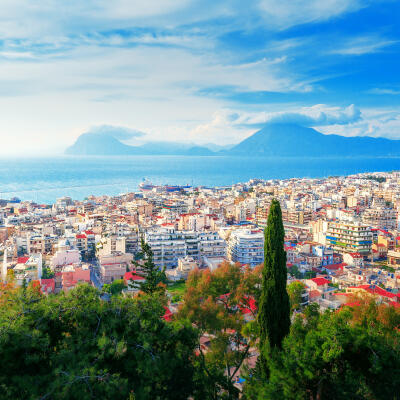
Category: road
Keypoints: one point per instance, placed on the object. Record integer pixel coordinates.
(95, 277)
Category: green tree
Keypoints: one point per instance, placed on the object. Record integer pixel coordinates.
(47, 273)
(350, 354)
(115, 287)
(295, 272)
(76, 346)
(217, 303)
(310, 274)
(295, 290)
(152, 274)
(274, 307)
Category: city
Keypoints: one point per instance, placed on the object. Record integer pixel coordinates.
(341, 235)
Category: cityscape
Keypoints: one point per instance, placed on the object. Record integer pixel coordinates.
(341, 239)
(199, 200)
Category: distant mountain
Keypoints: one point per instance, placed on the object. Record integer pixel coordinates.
(101, 144)
(286, 140)
(294, 140)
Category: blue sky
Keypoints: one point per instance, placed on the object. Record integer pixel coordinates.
(195, 71)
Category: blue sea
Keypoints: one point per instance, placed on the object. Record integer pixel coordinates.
(45, 179)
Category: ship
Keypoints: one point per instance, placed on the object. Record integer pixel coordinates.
(174, 188)
(146, 186)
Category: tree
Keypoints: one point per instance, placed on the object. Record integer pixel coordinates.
(76, 346)
(115, 287)
(295, 290)
(274, 308)
(153, 275)
(294, 271)
(350, 354)
(310, 274)
(219, 303)
(47, 273)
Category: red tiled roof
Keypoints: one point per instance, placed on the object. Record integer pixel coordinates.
(334, 267)
(314, 294)
(320, 281)
(22, 260)
(168, 314)
(376, 290)
(45, 285)
(131, 275)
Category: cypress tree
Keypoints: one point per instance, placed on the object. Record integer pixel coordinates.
(274, 308)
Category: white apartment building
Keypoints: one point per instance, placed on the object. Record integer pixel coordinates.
(211, 245)
(380, 217)
(168, 245)
(246, 247)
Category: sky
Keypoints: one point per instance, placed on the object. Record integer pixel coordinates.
(194, 71)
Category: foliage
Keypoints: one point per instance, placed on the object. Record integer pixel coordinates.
(295, 290)
(177, 288)
(295, 272)
(387, 268)
(176, 298)
(76, 346)
(274, 309)
(153, 275)
(350, 354)
(115, 287)
(214, 302)
(379, 179)
(47, 273)
(310, 274)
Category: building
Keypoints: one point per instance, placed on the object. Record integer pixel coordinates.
(296, 217)
(113, 266)
(262, 215)
(168, 245)
(185, 265)
(246, 246)
(211, 245)
(394, 258)
(346, 237)
(381, 217)
(71, 276)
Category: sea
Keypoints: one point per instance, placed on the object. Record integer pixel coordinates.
(43, 180)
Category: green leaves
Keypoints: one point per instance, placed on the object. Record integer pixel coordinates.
(274, 309)
(154, 277)
(333, 356)
(76, 346)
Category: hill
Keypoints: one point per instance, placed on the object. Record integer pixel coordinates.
(294, 140)
(90, 144)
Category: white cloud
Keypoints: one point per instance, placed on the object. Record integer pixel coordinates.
(361, 45)
(318, 114)
(287, 13)
(384, 91)
(233, 125)
(375, 123)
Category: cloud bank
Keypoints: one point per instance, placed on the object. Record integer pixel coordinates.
(317, 115)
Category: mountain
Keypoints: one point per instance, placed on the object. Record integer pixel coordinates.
(294, 140)
(100, 144)
(281, 140)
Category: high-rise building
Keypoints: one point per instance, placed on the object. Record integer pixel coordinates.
(346, 237)
(246, 246)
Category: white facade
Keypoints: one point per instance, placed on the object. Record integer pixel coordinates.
(246, 247)
(65, 257)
